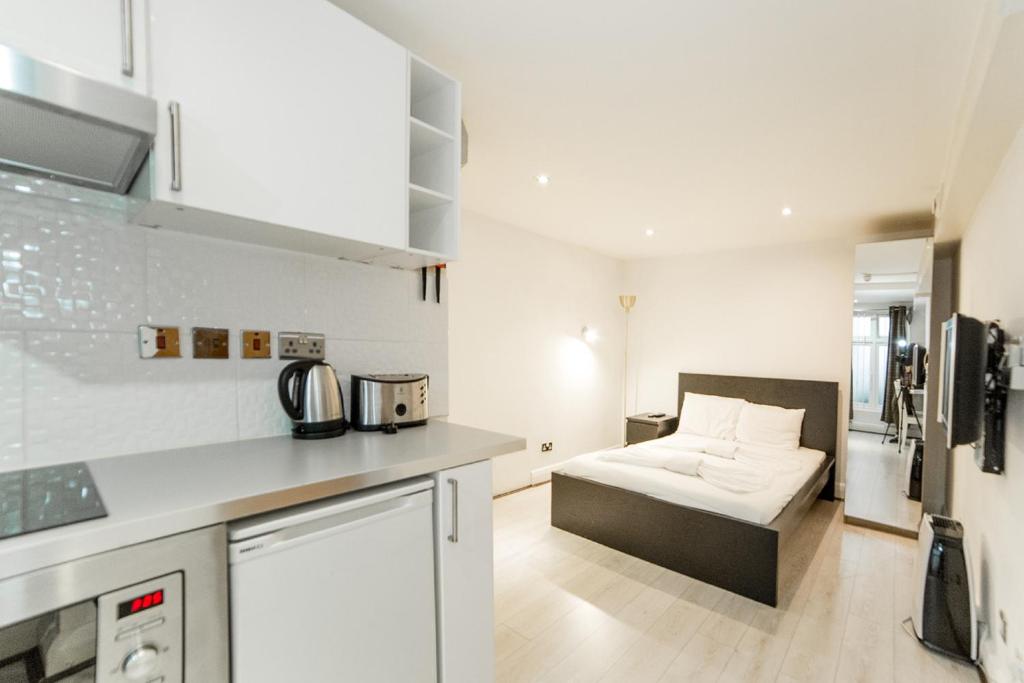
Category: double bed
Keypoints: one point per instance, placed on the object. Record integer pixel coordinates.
(738, 541)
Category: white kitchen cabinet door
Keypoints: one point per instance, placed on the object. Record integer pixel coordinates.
(292, 113)
(465, 574)
(84, 35)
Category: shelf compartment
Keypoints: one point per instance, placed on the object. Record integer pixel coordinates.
(433, 96)
(435, 169)
(424, 137)
(422, 198)
(432, 230)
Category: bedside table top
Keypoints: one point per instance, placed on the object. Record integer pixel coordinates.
(647, 418)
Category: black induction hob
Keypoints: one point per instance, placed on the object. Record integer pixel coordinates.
(47, 497)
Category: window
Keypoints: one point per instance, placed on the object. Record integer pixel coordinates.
(870, 359)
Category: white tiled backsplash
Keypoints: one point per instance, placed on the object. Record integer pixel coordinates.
(77, 280)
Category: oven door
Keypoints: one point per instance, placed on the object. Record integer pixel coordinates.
(59, 645)
(121, 615)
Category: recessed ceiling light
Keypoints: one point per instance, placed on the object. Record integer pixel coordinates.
(786, 211)
(856, 301)
(543, 179)
(649, 232)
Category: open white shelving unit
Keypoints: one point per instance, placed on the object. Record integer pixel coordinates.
(435, 151)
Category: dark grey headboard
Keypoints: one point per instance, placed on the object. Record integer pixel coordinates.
(819, 399)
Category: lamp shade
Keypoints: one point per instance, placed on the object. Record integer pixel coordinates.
(627, 301)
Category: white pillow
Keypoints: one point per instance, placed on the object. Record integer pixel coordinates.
(712, 416)
(770, 426)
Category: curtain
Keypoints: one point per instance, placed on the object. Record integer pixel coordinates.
(897, 332)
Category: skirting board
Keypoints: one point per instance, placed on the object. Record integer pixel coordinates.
(868, 428)
(543, 474)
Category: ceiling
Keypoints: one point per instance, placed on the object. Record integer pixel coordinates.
(699, 120)
(888, 272)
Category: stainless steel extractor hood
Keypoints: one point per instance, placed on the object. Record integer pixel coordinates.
(59, 124)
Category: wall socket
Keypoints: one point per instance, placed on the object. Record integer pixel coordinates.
(209, 342)
(159, 342)
(547, 446)
(300, 346)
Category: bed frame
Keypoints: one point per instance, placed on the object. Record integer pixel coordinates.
(743, 557)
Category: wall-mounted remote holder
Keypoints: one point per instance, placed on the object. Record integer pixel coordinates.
(159, 342)
(300, 346)
(209, 342)
(255, 344)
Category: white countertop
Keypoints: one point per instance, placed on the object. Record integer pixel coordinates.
(150, 495)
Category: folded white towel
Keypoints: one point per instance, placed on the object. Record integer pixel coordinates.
(775, 460)
(734, 477)
(721, 449)
(687, 463)
(722, 472)
(636, 456)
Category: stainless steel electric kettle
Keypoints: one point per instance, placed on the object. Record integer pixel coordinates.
(311, 396)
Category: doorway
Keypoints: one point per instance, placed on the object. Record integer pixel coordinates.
(892, 295)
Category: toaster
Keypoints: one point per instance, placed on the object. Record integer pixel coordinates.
(389, 401)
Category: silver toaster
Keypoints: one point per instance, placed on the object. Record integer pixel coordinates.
(389, 401)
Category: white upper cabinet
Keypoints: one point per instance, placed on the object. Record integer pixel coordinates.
(102, 39)
(285, 113)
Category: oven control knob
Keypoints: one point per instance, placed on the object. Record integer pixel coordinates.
(140, 662)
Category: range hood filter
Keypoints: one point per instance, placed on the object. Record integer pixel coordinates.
(58, 124)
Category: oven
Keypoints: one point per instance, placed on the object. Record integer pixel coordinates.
(156, 612)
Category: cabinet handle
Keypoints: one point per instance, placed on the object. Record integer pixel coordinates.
(127, 39)
(454, 536)
(175, 109)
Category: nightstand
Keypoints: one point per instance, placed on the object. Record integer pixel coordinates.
(644, 427)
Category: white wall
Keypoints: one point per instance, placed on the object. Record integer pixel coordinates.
(992, 506)
(518, 363)
(76, 280)
(769, 312)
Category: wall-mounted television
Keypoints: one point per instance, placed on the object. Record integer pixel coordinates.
(918, 365)
(962, 385)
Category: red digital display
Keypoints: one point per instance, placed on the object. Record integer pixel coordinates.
(140, 604)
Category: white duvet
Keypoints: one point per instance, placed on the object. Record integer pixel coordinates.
(782, 473)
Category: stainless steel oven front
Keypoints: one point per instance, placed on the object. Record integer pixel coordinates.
(156, 612)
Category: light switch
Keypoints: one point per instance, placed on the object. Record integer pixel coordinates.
(159, 342)
(255, 344)
(209, 342)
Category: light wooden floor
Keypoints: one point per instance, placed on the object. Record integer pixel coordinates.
(875, 482)
(568, 609)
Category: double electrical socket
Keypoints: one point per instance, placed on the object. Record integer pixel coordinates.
(547, 446)
(301, 346)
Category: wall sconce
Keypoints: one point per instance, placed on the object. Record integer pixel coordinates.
(589, 334)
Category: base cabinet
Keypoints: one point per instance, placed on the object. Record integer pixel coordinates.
(464, 537)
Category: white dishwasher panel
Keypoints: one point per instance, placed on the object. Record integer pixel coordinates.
(338, 596)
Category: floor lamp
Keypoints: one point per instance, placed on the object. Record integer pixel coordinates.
(627, 301)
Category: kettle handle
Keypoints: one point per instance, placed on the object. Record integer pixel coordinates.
(289, 402)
